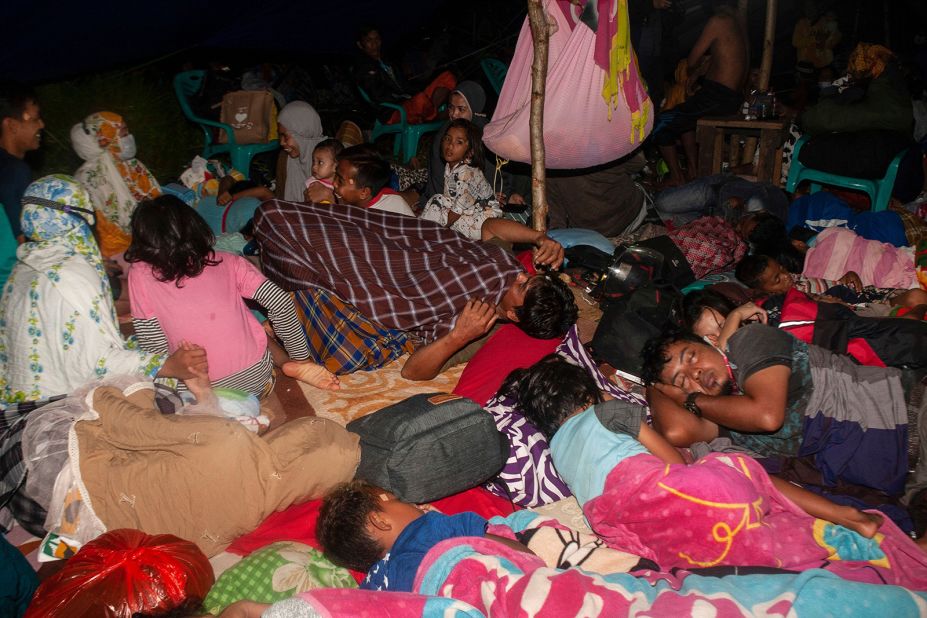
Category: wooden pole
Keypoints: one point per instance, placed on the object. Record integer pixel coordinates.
(768, 37)
(539, 35)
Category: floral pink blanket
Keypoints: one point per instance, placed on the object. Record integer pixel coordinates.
(724, 510)
(575, 576)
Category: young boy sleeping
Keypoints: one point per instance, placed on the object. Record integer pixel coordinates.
(639, 496)
(368, 529)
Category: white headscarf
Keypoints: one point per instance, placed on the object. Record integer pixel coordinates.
(304, 124)
(101, 175)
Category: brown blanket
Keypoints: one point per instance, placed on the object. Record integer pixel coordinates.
(202, 478)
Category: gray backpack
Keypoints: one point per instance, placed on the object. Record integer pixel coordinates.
(429, 446)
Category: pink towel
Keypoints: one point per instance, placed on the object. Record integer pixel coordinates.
(839, 250)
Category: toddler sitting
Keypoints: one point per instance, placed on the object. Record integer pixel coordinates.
(366, 528)
(324, 162)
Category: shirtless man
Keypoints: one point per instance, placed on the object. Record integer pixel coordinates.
(722, 49)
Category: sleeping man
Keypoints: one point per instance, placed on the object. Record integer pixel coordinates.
(414, 277)
(809, 412)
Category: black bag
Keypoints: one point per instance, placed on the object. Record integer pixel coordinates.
(628, 322)
(429, 446)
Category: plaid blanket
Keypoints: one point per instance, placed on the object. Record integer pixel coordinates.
(399, 271)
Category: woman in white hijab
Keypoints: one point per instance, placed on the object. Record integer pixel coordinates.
(115, 179)
(300, 131)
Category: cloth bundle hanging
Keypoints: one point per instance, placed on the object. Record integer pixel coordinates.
(596, 109)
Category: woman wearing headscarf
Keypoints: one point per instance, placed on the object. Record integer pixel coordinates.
(300, 131)
(58, 325)
(115, 179)
(466, 102)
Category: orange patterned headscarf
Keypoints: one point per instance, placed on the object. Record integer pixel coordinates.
(868, 60)
(105, 126)
(115, 185)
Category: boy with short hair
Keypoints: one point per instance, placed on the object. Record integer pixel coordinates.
(366, 528)
(361, 179)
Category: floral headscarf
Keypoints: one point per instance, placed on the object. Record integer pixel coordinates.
(55, 234)
(115, 186)
(58, 325)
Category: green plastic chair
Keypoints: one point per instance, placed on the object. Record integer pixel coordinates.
(405, 144)
(495, 70)
(187, 84)
(879, 189)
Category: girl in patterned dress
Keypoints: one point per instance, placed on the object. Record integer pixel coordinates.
(468, 199)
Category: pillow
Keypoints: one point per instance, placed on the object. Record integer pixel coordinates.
(276, 572)
(507, 349)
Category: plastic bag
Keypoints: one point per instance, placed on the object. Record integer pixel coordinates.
(125, 572)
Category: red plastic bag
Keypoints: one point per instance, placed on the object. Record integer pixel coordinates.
(123, 572)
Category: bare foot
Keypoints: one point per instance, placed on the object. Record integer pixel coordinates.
(202, 390)
(312, 374)
(864, 524)
(199, 384)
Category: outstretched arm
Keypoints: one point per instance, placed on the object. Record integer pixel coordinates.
(658, 445)
(547, 252)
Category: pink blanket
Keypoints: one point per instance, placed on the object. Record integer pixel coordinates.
(839, 250)
(724, 510)
(573, 576)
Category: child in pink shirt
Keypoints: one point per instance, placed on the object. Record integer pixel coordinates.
(181, 290)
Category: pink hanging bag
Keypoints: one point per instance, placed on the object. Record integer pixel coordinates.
(596, 109)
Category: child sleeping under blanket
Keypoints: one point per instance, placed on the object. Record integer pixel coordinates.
(639, 496)
(478, 577)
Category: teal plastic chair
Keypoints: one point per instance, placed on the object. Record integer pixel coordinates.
(405, 144)
(495, 70)
(187, 84)
(879, 189)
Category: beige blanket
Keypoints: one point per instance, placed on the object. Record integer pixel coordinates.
(365, 392)
(202, 478)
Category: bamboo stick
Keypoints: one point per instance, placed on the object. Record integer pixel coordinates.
(540, 35)
(768, 38)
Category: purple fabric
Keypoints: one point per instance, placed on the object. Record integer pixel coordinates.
(529, 477)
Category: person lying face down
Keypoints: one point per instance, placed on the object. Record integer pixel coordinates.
(415, 276)
(616, 466)
(783, 399)
(366, 528)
